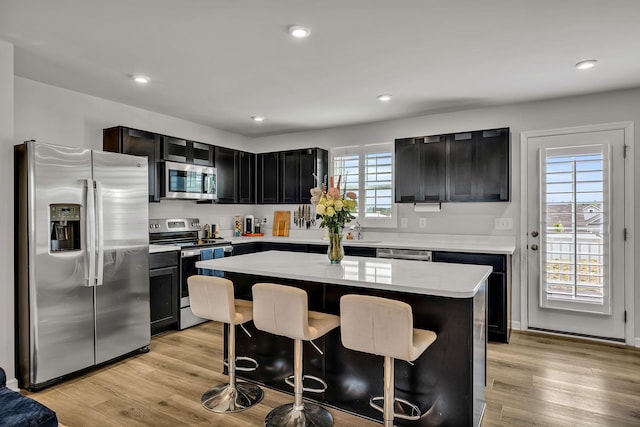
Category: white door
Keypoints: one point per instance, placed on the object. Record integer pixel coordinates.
(575, 235)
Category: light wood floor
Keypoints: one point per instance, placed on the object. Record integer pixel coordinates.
(536, 380)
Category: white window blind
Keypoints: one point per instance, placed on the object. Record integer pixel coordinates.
(368, 172)
(575, 214)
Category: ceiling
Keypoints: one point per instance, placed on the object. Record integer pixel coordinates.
(219, 62)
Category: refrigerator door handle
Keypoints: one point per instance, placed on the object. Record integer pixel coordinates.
(100, 232)
(90, 220)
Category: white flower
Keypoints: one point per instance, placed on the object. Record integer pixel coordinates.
(320, 209)
(330, 212)
(338, 205)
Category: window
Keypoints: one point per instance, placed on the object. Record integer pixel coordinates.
(367, 170)
(575, 209)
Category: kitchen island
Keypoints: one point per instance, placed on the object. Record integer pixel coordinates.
(447, 381)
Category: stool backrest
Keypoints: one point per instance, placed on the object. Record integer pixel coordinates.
(376, 325)
(212, 298)
(281, 310)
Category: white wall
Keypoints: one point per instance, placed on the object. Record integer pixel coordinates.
(478, 218)
(6, 212)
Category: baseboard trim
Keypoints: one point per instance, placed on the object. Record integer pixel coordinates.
(638, 342)
(12, 384)
(516, 326)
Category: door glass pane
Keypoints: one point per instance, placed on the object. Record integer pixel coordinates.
(575, 211)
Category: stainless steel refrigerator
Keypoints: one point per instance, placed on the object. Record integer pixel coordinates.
(82, 260)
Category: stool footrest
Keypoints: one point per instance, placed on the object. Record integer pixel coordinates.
(415, 411)
(253, 364)
(289, 381)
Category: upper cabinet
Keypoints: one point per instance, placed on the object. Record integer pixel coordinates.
(236, 175)
(138, 143)
(183, 151)
(287, 176)
(461, 167)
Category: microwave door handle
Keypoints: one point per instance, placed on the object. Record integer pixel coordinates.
(100, 232)
(90, 223)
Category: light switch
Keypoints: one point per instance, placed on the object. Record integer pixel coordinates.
(423, 222)
(404, 223)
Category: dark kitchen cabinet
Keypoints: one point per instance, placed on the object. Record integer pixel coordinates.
(226, 165)
(498, 289)
(287, 176)
(421, 169)
(479, 166)
(236, 175)
(246, 177)
(164, 278)
(138, 143)
(184, 151)
(268, 170)
(461, 167)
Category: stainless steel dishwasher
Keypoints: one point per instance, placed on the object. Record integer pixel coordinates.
(413, 254)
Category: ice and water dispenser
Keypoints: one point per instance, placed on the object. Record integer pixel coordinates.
(64, 227)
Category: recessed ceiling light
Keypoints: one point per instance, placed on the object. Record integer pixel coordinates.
(257, 118)
(384, 97)
(299, 31)
(585, 65)
(139, 78)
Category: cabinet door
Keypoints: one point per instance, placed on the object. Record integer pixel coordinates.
(174, 149)
(226, 165)
(479, 166)
(246, 177)
(268, 178)
(492, 165)
(137, 143)
(462, 156)
(200, 154)
(290, 161)
(163, 298)
(407, 169)
(313, 162)
(433, 169)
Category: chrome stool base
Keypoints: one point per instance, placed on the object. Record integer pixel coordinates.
(225, 398)
(311, 415)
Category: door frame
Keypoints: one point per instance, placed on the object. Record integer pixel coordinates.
(629, 303)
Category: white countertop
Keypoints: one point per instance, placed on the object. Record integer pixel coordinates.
(505, 245)
(426, 278)
(154, 249)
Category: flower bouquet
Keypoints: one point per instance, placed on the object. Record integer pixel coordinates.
(335, 209)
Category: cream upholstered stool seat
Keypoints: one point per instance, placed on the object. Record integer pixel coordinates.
(212, 298)
(384, 327)
(283, 310)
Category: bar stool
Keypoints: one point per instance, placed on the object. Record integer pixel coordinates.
(283, 310)
(212, 298)
(384, 327)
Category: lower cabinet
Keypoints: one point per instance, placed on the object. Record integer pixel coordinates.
(498, 286)
(498, 289)
(164, 279)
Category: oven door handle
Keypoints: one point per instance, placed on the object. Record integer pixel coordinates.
(187, 253)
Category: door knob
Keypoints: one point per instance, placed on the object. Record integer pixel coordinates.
(534, 247)
(534, 234)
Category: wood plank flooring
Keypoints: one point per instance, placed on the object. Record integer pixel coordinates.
(536, 380)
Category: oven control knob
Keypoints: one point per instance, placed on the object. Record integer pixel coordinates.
(157, 225)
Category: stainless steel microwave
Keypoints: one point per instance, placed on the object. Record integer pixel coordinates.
(193, 182)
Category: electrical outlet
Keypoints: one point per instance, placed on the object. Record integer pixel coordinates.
(423, 222)
(404, 223)
(504, 224)
(223, 222)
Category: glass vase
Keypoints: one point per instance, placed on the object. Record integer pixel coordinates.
(335, 251)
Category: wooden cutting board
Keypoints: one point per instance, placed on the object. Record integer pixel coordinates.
(281, 221)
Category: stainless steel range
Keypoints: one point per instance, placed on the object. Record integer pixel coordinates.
(185, 233)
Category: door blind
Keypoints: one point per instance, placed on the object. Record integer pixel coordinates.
(575, 211)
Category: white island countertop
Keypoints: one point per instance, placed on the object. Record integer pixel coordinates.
(425, 278)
